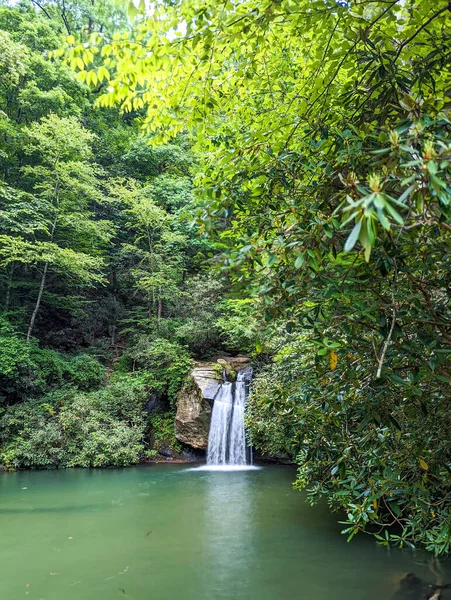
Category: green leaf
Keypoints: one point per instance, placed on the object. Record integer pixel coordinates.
(397, 217)
(298, 263)
(271, 260)
(353, 237)
(397, 379)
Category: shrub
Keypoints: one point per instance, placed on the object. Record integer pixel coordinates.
(27, 370)
(14, 353)
(382, 454)
(163, 430)
(197, 311)
(164, 363)
(81, 371)
(237, 325)
(70, 428)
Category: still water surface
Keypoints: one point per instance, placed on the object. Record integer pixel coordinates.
(167, 532)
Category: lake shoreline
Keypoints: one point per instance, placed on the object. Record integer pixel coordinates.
(142, 463)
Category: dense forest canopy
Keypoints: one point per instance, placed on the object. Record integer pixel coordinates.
(310, 140)
(106, 293)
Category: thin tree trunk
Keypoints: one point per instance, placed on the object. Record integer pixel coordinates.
(151, 265)
(64, 18)
(42, 284)
(38, 302)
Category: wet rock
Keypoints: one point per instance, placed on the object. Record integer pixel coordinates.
(194, 402)
(154, 403)
(165, 452)
(276, 459)
(232, 364)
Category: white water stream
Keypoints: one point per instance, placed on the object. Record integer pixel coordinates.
(227, 439)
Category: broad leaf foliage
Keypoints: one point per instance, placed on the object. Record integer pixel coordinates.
(325, 135)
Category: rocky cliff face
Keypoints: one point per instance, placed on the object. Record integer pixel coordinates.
(195, 399)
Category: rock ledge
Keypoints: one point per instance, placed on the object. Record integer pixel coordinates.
(194, 401)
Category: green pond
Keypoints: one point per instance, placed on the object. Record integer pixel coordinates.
(168, 532)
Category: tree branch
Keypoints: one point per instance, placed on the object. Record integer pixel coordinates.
(387, 341)
(42, 8)
(423, 26)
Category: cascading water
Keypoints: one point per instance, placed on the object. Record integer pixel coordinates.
(237, 447)
(219, 427)
(227, 439)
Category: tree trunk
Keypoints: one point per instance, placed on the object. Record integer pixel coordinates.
(44, 276)
(38, 302)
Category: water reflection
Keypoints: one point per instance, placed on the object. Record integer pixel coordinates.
(228, 540)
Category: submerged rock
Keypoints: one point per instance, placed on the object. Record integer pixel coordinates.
(194, 402)
(412, 587)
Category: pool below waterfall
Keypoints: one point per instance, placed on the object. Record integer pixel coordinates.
(168, 532)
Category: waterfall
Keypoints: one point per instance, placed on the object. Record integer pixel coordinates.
(237, 447)
(219, 428)
(227, 439)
